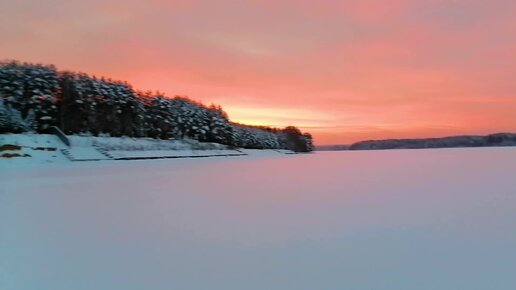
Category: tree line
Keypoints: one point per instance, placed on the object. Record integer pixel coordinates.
(34, 97)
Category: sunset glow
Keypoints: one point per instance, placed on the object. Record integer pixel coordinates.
(343, 70)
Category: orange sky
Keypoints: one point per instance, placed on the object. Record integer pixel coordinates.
(343, 70)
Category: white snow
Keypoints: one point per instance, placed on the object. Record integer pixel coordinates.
(35, 149)
(85, 154)
(32, 140)
(173, 153)
(140, 144)
(440, 219)
(87, 148)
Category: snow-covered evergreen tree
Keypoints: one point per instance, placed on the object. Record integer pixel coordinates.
(31, 87)
(11, 119)
(100, 106)
(34, 97)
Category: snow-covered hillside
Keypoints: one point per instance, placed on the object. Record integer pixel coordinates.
(16, 149)
(389, 220)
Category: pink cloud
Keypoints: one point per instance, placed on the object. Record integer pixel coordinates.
(353, 69)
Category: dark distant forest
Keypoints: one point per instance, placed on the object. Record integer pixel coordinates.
(35, 97)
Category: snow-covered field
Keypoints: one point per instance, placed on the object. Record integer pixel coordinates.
(402, 219)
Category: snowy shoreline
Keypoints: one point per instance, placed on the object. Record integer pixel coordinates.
(22, 149)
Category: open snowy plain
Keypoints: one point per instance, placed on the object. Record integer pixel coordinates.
(402, 219)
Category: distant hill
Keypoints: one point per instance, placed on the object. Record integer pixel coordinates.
(332, 147)
(498, 139)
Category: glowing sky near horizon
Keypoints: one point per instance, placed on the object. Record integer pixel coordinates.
(343, 70)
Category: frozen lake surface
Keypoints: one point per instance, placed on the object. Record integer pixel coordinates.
(400, 219)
